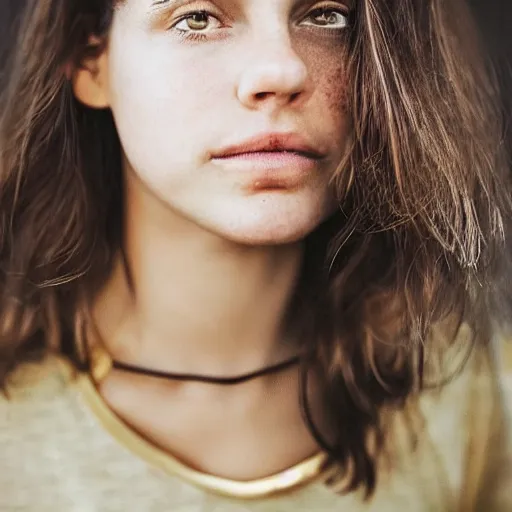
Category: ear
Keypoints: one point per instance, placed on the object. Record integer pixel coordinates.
(90, 80)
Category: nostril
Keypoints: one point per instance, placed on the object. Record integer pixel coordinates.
(264, 95)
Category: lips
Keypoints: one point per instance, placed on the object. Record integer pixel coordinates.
(272, 143)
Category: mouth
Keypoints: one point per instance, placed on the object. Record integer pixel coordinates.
(271, 161)
(283, 144)
(283, 155)
(271, 170)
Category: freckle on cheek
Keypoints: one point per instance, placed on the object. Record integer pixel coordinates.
(331, 75)
(336, 91)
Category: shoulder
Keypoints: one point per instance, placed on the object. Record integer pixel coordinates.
(33, 392)
(491, 379)
(36, 380)
(502, 354)
(488, 462)
(460, 420)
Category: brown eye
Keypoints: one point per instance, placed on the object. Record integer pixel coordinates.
(196, 21)
(328, 17)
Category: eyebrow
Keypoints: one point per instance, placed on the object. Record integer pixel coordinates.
(157, 8)
(158, 3)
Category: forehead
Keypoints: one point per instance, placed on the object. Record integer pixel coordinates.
(156, 4)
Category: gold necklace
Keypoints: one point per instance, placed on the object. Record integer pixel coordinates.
(296, 476)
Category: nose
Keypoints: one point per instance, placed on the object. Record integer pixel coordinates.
(274, 77)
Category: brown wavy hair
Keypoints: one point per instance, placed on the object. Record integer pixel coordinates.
(420, 235)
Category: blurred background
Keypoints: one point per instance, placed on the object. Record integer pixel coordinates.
(495, 19)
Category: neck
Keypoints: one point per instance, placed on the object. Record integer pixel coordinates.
(199, 304)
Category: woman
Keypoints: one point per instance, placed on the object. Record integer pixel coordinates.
(251, 258)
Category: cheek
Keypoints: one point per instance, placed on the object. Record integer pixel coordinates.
(333, 86)
(327, 66)
(335, 93)
(162, 105)
(154, 81)
(334, 89)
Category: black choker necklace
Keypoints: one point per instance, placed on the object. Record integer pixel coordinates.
(190, 377)
(102, 363)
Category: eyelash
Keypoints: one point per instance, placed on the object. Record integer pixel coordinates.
(198, 36)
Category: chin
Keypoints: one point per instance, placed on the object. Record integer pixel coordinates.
(267, 236)
(274, 226)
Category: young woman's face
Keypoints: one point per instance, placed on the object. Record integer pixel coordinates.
(189, 81)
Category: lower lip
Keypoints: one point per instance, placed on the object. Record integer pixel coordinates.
(276, 169)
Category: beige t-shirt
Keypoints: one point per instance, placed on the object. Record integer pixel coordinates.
(58, 454)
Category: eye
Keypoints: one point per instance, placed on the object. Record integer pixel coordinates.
(329, 18)
(197, 21)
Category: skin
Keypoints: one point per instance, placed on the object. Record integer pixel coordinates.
(214, 253)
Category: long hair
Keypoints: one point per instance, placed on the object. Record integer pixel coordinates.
(419, 238)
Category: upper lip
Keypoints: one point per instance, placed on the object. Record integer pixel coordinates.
(271, 142)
